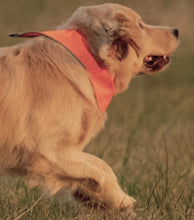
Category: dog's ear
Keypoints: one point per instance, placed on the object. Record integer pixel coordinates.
(104, 28)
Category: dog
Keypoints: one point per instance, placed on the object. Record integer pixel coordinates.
(52, 103)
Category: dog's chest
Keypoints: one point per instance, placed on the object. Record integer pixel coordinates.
(90, 126)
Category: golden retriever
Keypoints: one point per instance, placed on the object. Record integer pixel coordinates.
(48, 106)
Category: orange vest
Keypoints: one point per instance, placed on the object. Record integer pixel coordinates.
(101, 79)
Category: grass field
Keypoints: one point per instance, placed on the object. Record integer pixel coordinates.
(149, 137)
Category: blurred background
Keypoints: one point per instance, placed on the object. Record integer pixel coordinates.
(149, 137)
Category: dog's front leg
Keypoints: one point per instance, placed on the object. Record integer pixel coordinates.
(91, 177)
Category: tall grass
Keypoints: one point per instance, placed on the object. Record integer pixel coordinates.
(148, 139)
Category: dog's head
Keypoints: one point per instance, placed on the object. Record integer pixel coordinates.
(123, 42)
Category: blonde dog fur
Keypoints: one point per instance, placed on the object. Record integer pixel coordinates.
(48, 111)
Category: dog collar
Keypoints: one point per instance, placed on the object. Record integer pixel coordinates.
(76, 42)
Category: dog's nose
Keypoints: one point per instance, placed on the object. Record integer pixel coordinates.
(175, 32)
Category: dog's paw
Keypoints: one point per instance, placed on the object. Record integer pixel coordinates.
(127, 205)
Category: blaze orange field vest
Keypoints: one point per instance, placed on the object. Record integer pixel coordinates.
(101, 79)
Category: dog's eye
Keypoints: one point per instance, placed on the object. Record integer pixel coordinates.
(140, 24)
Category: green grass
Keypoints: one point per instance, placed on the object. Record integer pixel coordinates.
(148, 139)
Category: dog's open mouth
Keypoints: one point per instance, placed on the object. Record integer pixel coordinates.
(156, 63)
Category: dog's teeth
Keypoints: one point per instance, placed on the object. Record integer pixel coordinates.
(148, 58)
(164, 57)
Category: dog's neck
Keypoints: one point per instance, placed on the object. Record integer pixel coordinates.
(76, 42)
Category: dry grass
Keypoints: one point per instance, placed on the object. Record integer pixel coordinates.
(148, 139)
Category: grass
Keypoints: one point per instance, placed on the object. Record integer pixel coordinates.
(148, 139)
